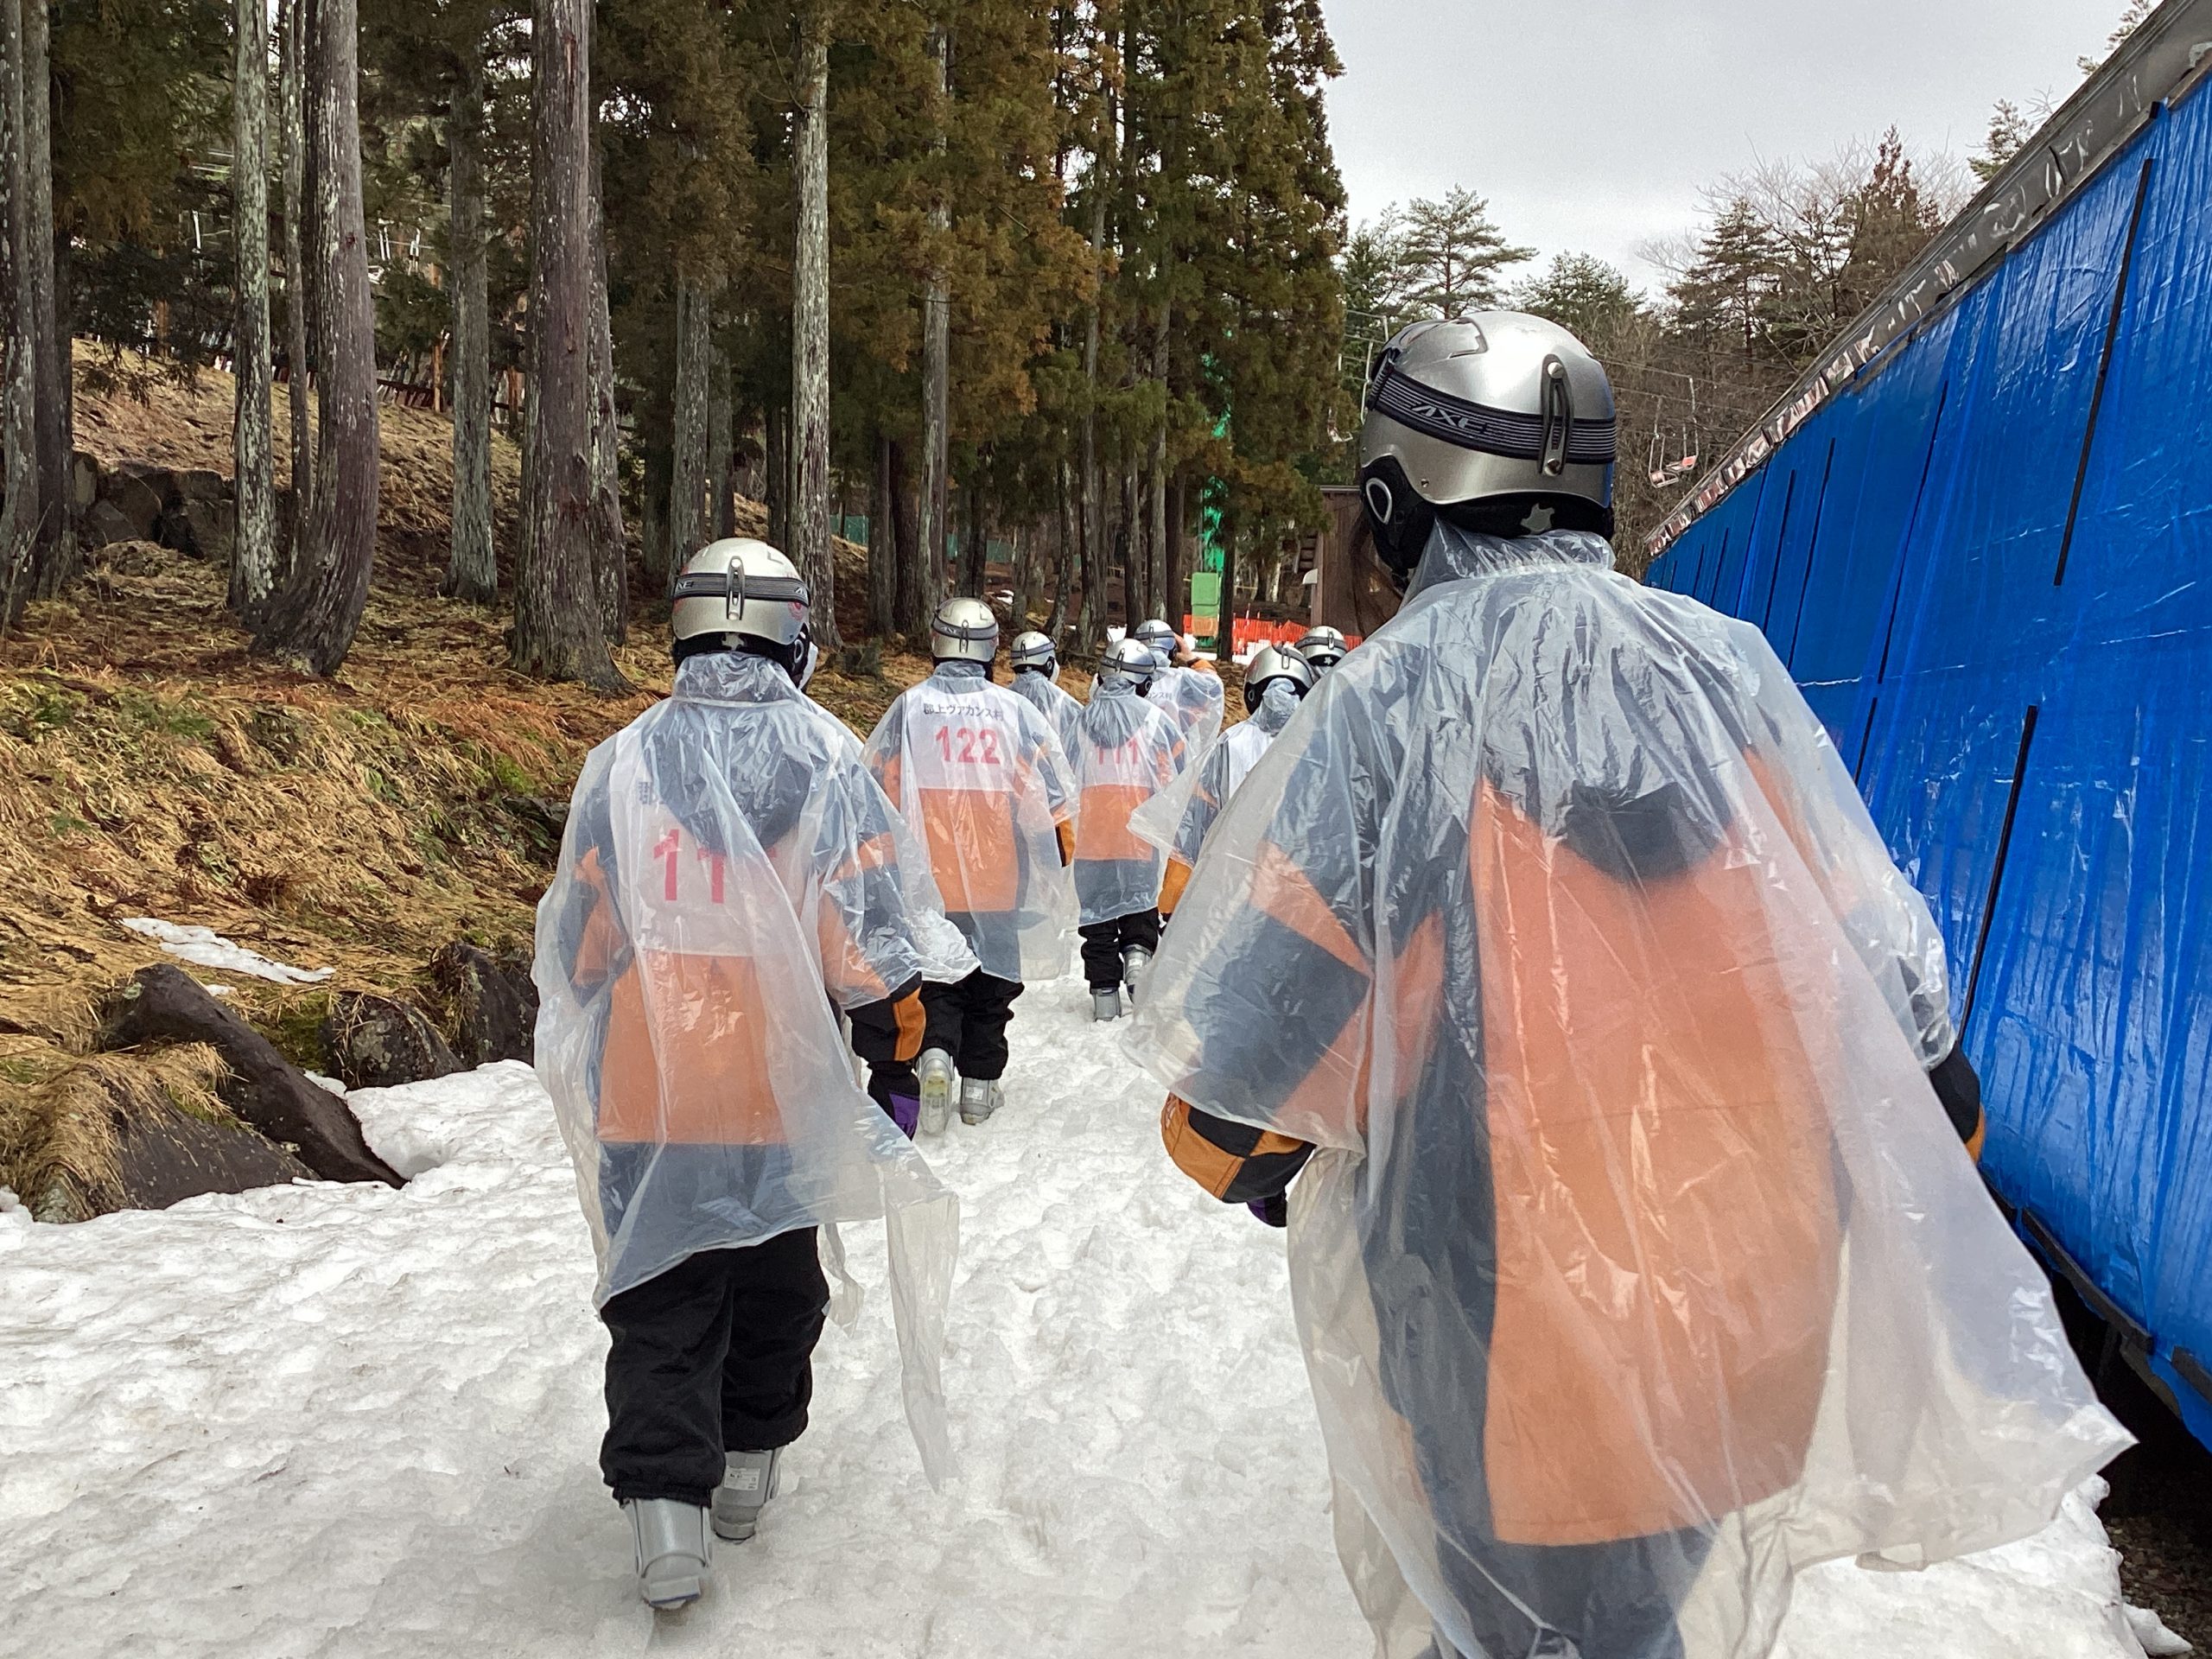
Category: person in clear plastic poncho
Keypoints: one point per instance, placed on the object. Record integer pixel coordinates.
(730, 879)
(1184, 688)
(981, 777)
(1127, 752)
(1553, 964)
(1036, 680)
(1179, 820)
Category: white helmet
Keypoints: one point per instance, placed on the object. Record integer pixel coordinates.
(1130, 660)
(1157, 635)
(1323, 647)
(740, 587)
(1033, 651)
(964, 631)
(1502, 423)
(1273, 663)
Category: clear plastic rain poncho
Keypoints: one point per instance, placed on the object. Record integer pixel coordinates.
(1178, 820)
(1196, 698)
(981, 777)
(728, 870)
(1046, 697)
(1638, 1266)
(1127, 753)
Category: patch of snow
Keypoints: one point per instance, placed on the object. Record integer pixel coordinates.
(205, 947)
(342, 1420)
(2151, 1635)
(334, 1085)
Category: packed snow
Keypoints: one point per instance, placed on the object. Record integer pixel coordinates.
(205, 948)
(324, 1419)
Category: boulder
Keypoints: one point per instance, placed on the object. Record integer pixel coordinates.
(164, 1004)
(378, 1042)
(139, 494)
(488, 1003)
(163, 1161)
(190, 484)
(104, 524)
(201, 529)
(84, 479)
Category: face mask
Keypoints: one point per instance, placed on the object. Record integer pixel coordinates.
(809, 663)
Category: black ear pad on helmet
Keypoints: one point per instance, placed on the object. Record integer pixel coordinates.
(1396, 516)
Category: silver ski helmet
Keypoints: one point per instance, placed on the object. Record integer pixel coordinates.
(1270, 664)
(1500, 422)
(1156, 633)
(964, 631)
(1129, 660)
(1323, 648)
(1034, 652)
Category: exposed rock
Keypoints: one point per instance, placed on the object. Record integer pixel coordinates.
(163, 1161)
(378, 1042)
(489, 1002)
(136, 493)
(201, 529)
(104, 524)
(166, 1005)
(84, 479)
(191, 484)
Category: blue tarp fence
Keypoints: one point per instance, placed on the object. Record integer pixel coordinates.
(1988, 561)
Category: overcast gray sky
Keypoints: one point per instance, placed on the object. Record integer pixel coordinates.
(1591, 125)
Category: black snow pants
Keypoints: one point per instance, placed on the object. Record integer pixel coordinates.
(1104, 943)
(714, 1356)
(968, 1020)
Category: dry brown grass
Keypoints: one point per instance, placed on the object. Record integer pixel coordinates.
(60, 1120)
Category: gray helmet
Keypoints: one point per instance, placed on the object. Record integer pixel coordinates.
(1273, 663)
(740, 587)
(1502, 423)
(1323, 647)
(1034, 651)
(1157, 635)
(1130, 660)
(964, 631)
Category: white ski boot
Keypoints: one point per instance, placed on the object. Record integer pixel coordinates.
(1135, 961)
(673, 1550)
(979, 1099)
(1105, 1003)
(747, 1484)
(934, 1073)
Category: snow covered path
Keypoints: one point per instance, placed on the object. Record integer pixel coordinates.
(344, 1420)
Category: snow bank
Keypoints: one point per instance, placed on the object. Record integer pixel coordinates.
(205, 948)
(348, 1420)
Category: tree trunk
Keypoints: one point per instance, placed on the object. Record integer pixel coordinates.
(610, 544)
(1093, 516)
(291, 75)
(883, 541)
(778, 462)
(1177, 587)
(812, 550)
(688, 517)
(722, 446)
(473, 570)
(1065, 567)
(1128, 548)
(54, 552)
(560, 633)
(652, 507)
(254, 560)
(1165, 594)
(913, 606)
(18, 432)
(313, 619)
(936, 503)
